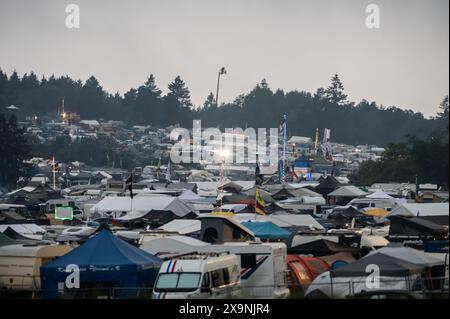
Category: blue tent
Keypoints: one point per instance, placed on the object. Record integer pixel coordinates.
(104, 261)
(267, 230)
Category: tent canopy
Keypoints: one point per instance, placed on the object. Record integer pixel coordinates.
(267, 230)
(389, 266)
(379, 194)
(103, 258)
(410, 255)
(422, 210)
(347, 191)
(142, 205)
(322, 247)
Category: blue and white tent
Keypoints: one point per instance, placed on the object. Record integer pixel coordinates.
(104, 261)
(267, 230)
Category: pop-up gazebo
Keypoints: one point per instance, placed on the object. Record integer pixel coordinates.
(104, 261)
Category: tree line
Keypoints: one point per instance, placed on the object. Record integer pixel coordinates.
(364, 122)
(427, 159)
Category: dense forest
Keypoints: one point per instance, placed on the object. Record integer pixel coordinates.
(352, 123)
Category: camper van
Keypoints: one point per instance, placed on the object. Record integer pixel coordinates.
(263, 265)
(196, 275)
(263, 268)
(20, 264)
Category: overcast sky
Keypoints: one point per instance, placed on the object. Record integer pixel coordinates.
(294, 44)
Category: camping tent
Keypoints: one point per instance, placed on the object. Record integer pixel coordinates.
(379, 194)
(329, 184)
(347, 191)
(410, 255)
(389, 266)
(141, 205)
(103, 260)
(394, 274)
(345, 194)
(321, 247)
(267, 230)
(422, 210)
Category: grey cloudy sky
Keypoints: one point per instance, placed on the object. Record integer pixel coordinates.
(294, 44)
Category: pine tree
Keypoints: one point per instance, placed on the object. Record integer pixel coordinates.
(180, 92)
(335, 92)
(210, 102)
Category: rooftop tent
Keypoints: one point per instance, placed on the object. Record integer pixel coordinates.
(267, 230)
(389, 267)
(410, 255)
(103, 260)
(321, 247)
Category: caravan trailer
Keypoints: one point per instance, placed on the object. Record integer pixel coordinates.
(197, 275)
(20, 264)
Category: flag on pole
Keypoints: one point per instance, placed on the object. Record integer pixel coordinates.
(258, 177)
(129, 185)
(168, 172)
(158, 169)
(259, 203)
(326, 144)
(283, 126)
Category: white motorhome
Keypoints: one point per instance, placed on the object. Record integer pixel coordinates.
(20, 264)
(263, 265)
(198, 275)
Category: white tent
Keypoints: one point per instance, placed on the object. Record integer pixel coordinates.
(347, 191)
(189, 195)
(423, 209)
(140, 206)
(379, 194)
(171, 245)
(183, 226)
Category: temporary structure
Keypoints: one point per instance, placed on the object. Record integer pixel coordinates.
(410, 255)
(375, 212)
(267, 230)
(347, 191)
(104, 260)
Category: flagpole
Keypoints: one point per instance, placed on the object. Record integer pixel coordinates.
(284, 146)
(54, 173)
